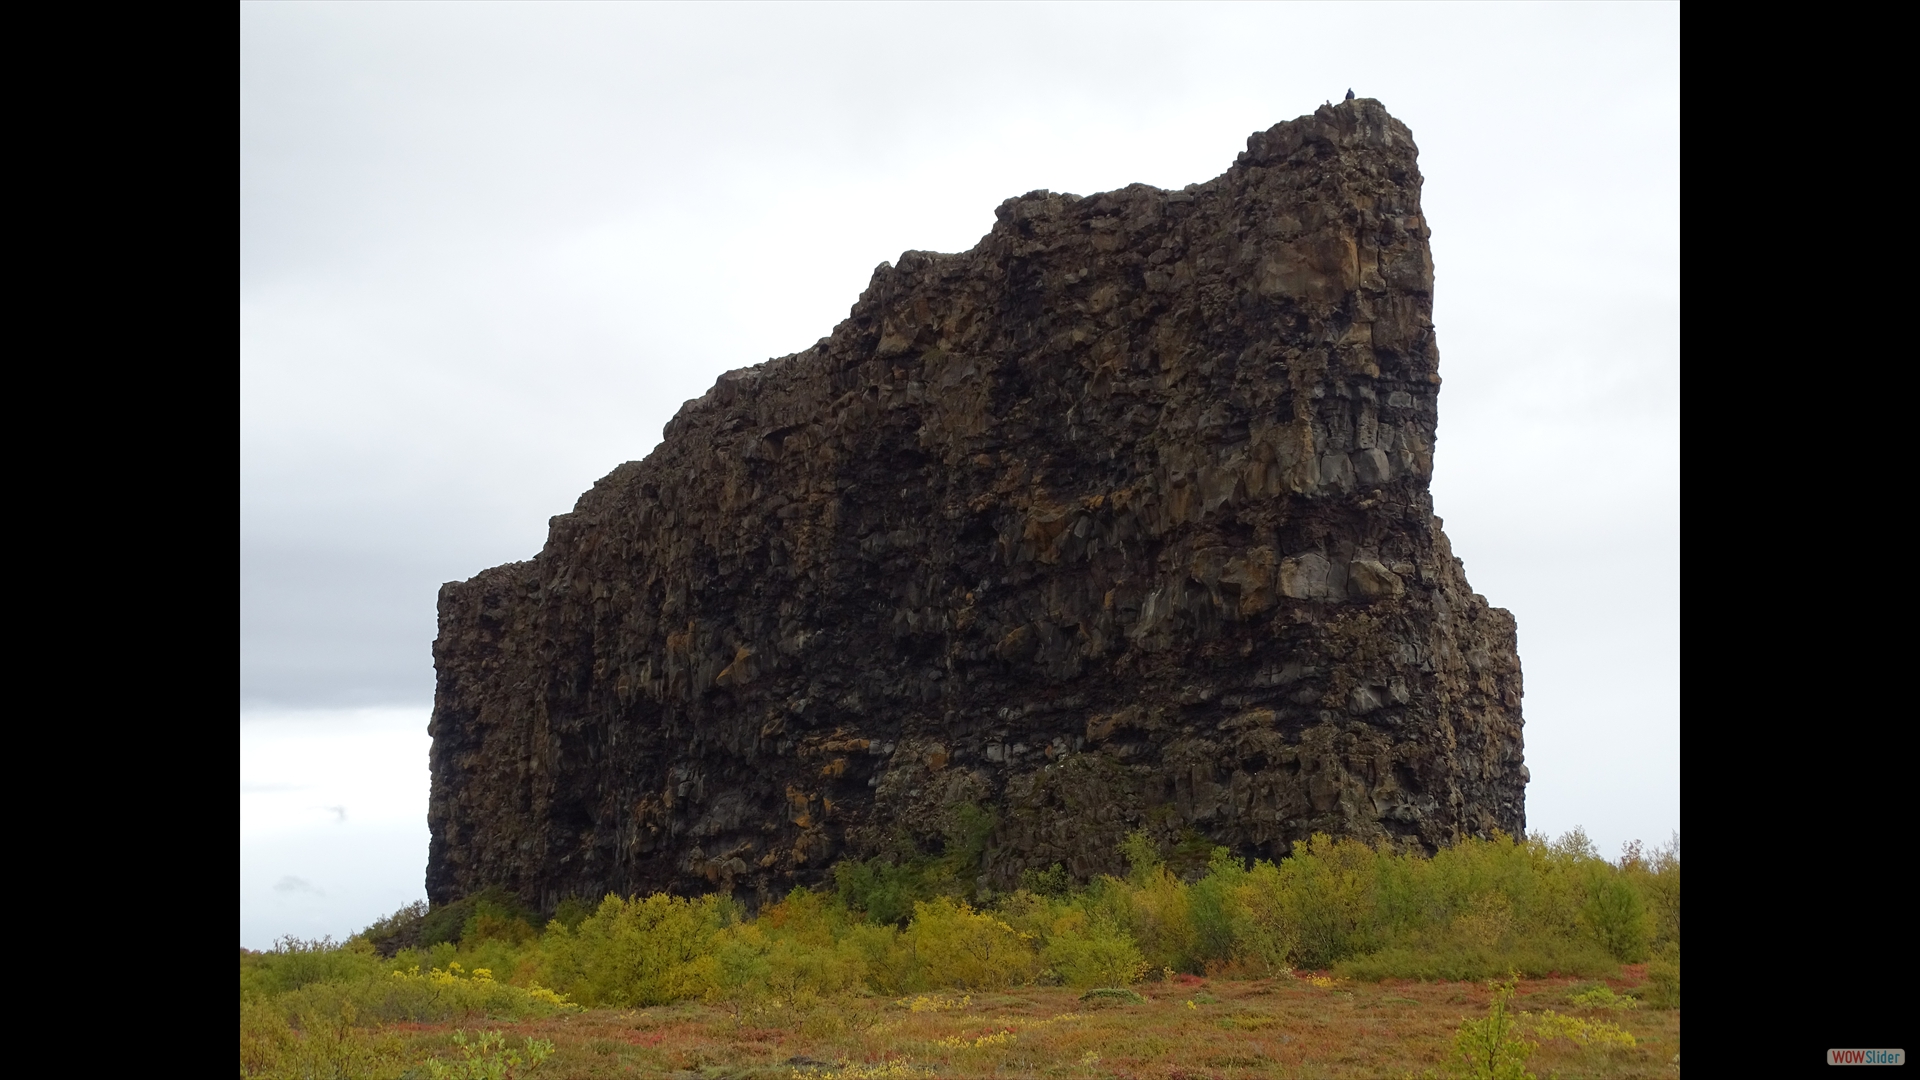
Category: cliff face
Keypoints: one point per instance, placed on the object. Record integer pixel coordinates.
(1118, 520)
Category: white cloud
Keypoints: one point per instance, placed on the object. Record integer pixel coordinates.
(309, 866)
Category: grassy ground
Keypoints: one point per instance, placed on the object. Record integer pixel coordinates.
(1186, 1028)
(839, 961)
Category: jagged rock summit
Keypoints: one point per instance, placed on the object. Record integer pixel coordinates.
(1118, 520)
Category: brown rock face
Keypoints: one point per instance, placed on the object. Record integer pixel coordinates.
(1118, 520)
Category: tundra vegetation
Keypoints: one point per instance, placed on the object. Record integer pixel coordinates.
(1487, 959)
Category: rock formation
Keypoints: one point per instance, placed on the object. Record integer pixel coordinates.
(1118, 520)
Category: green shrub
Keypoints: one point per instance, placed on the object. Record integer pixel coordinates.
(967, 831)
(1492, 1048)
(1119, 994)
(266, 1039)
(885, 891)
(1054, 881)
(1497, 1046)
(886, 887)
(1663, 979)
(757, 965)
(1214, 909)
(1327, 890)
(571, 912)
(491, 912)
(955, 946)
(1153, 905)
(319, 1043)
(1456, 961)
(1264, 936)
(451, 993)
(442, 925)
(1657, 878)
(797, 952)
(1603, 997)
(489, 1058)
(400, 930)
(1086, 953)
(1142, 855)
(1477, 909)
(648, 951)
(293, 963)
(1614, 916)
(1551, 1025)
(514, 961)
(891, 967)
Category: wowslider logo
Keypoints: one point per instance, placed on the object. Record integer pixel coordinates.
(1866, 1057)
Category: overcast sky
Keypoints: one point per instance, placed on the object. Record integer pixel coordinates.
(488, 250)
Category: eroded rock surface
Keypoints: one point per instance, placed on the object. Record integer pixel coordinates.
(1118, 520)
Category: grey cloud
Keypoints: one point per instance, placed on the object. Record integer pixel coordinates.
(487, 250)
(291, 884)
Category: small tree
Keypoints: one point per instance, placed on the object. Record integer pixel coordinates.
(1493, 1048)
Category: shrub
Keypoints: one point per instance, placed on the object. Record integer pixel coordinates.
(265, 1037)
(293, 963)
(1054, 881)
(648, 951)
(1152, 904)
(1551, 1025)
(400, 930)
(1663, 979)
(449, 993)
(887, 887)
(1455, 961)
(884, 891)
(1086, 952)
(755, 963)
(1142, 855)
(442, 925)
(1614, 916)
(891, 967)
(1602, 997)
(1213, 907)
(1328, 898)
(1657, 878)
(488, 1058)
(324, 1042)
(955, 946)
(1492, 1048)
(491, 912)
(571, 912)
(1477, 909)
(1264, 937)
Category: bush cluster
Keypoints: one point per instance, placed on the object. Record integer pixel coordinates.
(1479, 909)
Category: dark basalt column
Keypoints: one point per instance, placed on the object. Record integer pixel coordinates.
(1118, 520)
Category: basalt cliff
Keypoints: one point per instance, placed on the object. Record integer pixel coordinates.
(1119, 520)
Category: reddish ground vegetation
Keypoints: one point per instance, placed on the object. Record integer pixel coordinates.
(1187, 1028)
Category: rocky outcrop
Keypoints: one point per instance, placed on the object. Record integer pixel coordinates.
(1118, 520)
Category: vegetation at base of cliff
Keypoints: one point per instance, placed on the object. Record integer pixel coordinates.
(1479, 910)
